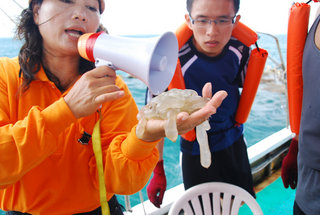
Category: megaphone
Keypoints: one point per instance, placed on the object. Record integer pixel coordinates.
(152, 60)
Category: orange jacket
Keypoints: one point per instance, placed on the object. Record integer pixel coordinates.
(43, 167)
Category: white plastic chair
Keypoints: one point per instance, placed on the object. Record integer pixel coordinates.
(228, 203)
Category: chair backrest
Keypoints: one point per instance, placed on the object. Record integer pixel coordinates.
(217, 197)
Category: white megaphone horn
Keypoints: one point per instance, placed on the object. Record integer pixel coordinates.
(152, 60)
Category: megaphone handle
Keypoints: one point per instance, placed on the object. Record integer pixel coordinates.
(100, 62)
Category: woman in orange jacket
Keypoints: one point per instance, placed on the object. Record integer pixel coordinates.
(48, 110)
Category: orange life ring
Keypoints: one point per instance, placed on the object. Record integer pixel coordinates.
(296, 38)
(254, 71)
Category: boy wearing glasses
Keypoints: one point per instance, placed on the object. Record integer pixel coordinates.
(212, 55)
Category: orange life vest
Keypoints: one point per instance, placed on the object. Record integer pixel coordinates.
(296, 38)
(255, 68)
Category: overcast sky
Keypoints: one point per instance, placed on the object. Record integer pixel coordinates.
(134, 17)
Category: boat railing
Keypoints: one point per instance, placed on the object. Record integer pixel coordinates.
(280, 64)
(279, 70)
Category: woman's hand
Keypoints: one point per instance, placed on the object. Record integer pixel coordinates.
(93, 89)
(154, 129)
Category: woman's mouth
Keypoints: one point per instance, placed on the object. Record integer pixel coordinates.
(74, 33)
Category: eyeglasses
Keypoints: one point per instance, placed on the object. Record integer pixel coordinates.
(204, 22)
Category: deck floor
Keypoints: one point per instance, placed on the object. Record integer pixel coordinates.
(273, 198)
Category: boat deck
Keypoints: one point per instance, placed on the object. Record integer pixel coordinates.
(265, 158)
(273, 198)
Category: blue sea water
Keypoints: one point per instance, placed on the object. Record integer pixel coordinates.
(267, 116)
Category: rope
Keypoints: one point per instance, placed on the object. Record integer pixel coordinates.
(7, 16)
(18, 4)
(141, 200)
(127, 203)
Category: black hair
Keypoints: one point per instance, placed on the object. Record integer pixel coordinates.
(236, 4)
(31, 52)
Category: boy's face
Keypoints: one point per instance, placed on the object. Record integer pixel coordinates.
(210, 38)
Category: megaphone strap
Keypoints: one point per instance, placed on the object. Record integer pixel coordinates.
(96, 144)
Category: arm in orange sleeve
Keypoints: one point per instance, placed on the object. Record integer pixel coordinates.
(25, 142)
(132, 162)
(129, 161)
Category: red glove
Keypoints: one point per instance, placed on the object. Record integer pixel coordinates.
(157, 185)
(289, 169)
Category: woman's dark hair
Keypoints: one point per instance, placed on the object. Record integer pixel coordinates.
(31, 52)
(235, 2)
